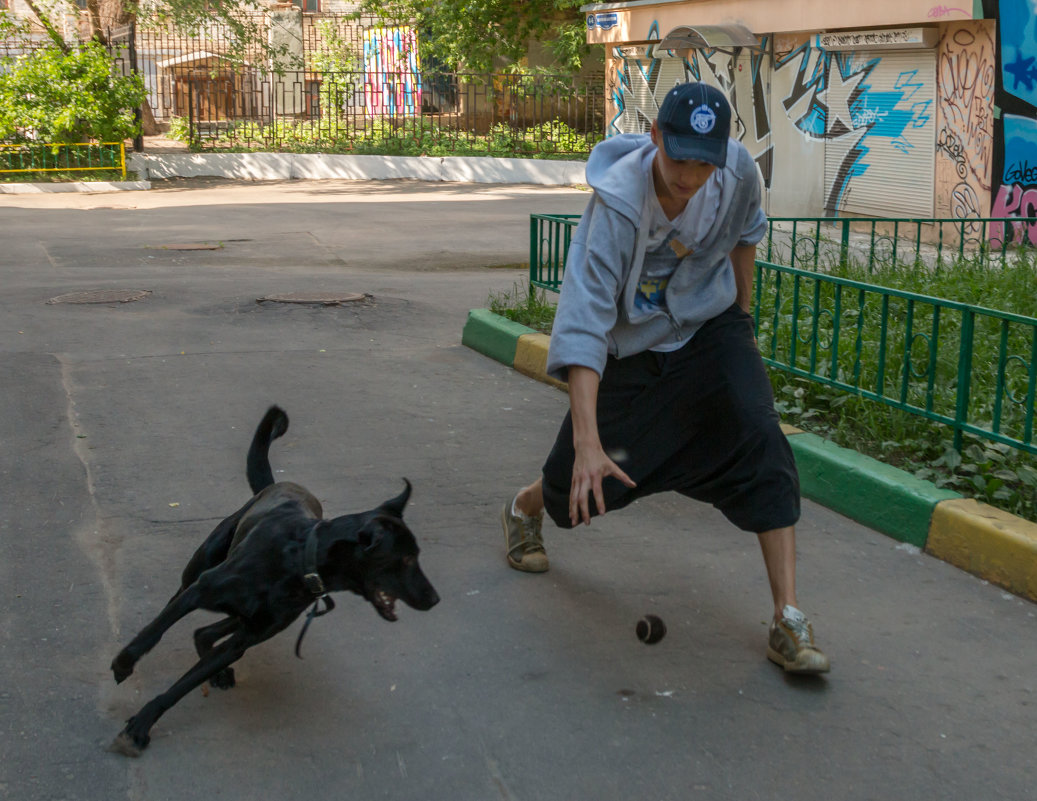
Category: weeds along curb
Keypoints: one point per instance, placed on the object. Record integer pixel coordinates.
(994, 545)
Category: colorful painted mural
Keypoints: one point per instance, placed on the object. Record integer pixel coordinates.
(1017, 195)
(953, 120)
(1016, 189)
(392, 81)
(863, 108)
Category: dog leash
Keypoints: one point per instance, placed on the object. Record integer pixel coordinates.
(311, 578)
(316, 611)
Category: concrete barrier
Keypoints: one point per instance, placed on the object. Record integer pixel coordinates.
(316, 166)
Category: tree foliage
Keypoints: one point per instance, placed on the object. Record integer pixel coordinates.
(487, 35)
(52, 94)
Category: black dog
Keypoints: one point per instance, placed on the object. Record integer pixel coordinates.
(263, 566)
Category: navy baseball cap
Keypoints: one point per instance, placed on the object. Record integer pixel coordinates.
(695, 123)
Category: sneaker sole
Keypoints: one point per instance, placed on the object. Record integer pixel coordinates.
(793, 667)
(512, 562)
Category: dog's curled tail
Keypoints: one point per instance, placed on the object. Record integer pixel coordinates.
(272, 426)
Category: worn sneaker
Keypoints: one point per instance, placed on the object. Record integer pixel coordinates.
(791, 644)
(524, 541)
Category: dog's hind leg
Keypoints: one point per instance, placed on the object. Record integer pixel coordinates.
(204, 640)
(135, 737)
(181, 604)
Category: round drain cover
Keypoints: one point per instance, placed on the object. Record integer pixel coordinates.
(102, 296)
(191, 246)
(316, 298)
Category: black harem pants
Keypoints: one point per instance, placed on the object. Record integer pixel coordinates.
(699, 421)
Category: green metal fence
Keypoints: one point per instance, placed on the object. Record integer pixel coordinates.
(549, 238)
(971, 369)
(818, 242)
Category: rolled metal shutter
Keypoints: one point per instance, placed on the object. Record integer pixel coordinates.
(880, 161)
(650, 80)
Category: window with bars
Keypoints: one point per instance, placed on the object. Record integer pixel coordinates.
(307, 5)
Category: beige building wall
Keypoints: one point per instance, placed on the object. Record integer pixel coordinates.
(797, 186)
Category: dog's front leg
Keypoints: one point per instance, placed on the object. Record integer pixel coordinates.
(181, 604)
(135, 737)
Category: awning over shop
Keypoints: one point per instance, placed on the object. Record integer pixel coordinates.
(713, 37)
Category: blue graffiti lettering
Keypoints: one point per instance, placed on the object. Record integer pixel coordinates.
(904, 82)
(1021, 173)
(902, 145)
(921, 116)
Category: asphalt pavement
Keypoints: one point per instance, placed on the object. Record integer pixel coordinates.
(123, 432)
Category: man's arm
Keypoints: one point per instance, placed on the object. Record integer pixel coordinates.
(591, 464)
(743, 257)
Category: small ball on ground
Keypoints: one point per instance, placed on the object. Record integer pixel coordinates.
(650, 629)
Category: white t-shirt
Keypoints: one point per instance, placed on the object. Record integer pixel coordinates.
(669, 241)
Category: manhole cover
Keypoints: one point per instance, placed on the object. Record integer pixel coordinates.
(191, 246)
(102, 296)
(315, 298)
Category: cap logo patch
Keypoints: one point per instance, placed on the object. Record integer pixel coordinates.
(703, 119)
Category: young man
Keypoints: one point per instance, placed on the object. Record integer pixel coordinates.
(667, 390)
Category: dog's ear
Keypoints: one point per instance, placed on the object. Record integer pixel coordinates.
(373, 532)
(381, 533)
(394, 506)
(369, 537)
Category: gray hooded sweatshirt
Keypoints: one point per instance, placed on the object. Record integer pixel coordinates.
(596, 313)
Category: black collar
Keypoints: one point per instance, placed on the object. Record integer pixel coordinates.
(310, 577)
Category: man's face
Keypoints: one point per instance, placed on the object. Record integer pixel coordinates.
(681, 178)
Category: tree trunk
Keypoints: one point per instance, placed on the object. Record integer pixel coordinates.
(148, 125)
(52, 32)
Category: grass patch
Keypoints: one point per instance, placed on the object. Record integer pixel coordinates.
(524, 304)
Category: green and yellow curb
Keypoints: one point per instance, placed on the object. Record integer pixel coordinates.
(866, 490)
(987, 542)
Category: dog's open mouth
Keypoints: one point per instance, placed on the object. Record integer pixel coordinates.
(385, 604)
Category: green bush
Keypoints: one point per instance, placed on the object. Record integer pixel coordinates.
(48, 95)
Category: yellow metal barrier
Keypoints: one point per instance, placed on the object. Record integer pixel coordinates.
(74, 157)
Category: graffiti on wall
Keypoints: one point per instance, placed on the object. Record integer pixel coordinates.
(629, 79)
(855, 105)
(1017, 195)
(1016, 192)
(965, 129)
(1019, 49)
(392, 82)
